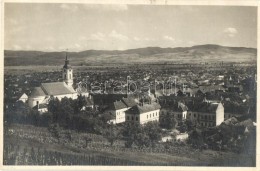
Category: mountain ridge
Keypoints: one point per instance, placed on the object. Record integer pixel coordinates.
(207, 53)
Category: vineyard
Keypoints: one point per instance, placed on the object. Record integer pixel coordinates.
(30, 145)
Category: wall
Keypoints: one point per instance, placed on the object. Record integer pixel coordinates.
(219, 114)
(33, 101)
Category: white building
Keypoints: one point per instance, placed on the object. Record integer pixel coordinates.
(143, 114)
(118, 108)
(41, 95)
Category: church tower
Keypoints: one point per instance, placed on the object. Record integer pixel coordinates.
(67, 73)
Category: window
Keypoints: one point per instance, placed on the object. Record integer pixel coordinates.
(147, 116)
(136, 118)
(150, 115)
(132, 118)
(206, 117)
(195, 115)
(127, 118)
(153, 114)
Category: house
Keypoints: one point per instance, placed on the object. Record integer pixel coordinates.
(208, 115)
(23, 98)
(117, 111)
(118, 108)
(143, 113)
(183, 109)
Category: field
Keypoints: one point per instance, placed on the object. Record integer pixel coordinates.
(29, 145)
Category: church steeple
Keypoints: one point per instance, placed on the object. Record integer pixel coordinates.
(67, 62)
(67, 72)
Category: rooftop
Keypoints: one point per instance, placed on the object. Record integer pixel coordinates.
(143, 109)
(37, 91)
(56, 88)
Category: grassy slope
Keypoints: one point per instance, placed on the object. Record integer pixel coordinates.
(193, 158)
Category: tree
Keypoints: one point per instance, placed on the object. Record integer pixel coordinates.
(169, 121)
(130, 132)
(111, 135)
(55, 131)
(153, 131)
(142, 140)
(87, 140)
(195, 139)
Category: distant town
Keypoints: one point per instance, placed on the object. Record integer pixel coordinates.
(93, 113)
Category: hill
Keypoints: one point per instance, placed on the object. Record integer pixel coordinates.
(194, 54)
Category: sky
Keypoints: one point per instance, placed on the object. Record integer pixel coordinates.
(78, 27)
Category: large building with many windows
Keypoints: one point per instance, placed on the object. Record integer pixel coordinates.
(209, 115)
(143, 113)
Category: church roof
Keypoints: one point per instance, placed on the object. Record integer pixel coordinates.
(56, 88)
(37, 91)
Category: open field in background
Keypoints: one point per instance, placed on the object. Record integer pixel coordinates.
(36, 145)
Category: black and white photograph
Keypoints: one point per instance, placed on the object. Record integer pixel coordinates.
(88, 84)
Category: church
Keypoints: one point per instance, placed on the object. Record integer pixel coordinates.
(40, 96)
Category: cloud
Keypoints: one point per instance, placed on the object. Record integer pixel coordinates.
(49, 48)
(191, 42)
(50, 39)
(136, 38)
(118, 36)
(169, 38)
(97, 36)
(28, 47)
(17, 47)
(230, 31)
(77, 45)
(69, 7)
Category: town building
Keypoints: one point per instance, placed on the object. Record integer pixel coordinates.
(118, 108)
(40, 96)
(143, 113)
(209, 115)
